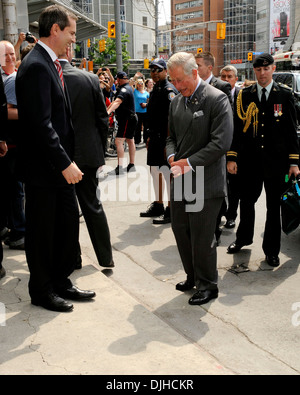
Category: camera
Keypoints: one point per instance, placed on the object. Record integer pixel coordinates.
(104, 68)
(29, 38)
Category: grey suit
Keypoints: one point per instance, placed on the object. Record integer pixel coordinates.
(90, 121)
(202, 132)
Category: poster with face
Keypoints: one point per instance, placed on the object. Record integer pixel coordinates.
(279, 24)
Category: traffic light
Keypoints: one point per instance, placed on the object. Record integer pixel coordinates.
(111, 30)
(146, 63)
(102, 45)
(250, 56)
(221, 31)
(89, 43)
(199, 50)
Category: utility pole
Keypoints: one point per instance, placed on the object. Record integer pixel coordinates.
(9, 8)
(156, 28)
(118, 35)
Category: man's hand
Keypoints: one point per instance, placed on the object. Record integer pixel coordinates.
(294, 170)
(3, 149)
(179, 167)
(72, 174)
(232, 167)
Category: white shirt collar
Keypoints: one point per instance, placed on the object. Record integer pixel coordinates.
(268, 89)
(50, 51)
(209, 78)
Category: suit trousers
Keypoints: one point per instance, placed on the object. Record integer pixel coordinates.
(88, 196)
(51, 238)
(195, 238)
(251, 189)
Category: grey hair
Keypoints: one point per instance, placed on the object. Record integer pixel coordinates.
(185, 60)
(229, 67)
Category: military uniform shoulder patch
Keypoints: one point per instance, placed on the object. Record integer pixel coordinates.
(171, 95)
(123, 90)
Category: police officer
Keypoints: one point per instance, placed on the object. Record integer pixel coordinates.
(157, 116)
(266, 147)
(124, 107)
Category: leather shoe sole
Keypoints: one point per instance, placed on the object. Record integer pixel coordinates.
(230, 224)
(202, 297)
(53, 302)
(75, 293)
(235, 247)
(110, 265)
(273, 261)
(185, 286)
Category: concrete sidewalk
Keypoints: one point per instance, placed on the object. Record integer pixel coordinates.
(139, 323)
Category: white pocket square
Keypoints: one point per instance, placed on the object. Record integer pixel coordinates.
(198, 114)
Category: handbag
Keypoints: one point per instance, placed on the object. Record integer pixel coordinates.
(290, 208)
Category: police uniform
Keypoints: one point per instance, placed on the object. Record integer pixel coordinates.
(265, 144)
(126, 116)
(158, 115)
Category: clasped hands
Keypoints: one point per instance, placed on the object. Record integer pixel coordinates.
(179, 167)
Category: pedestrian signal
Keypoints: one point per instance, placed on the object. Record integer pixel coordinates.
(89, 43)
(199, 50)
(111, 30)
(250, 56)
(146, 63)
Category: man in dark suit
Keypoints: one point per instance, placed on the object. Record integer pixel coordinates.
(90, 121)
(47, 145)
(201, 126)
(3, 151)
(266, 147)
(206, 63)
(230, 74)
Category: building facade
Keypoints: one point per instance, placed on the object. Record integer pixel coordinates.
(196, 22)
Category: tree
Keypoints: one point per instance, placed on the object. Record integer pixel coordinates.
(109, 55)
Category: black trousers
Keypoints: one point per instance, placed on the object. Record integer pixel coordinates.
(51, 239)
(252, 183)
(88, 195)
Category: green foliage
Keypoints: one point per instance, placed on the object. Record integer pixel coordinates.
(109, 56)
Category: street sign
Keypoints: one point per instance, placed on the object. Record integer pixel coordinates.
(257, 53)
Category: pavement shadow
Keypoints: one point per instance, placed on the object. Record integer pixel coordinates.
(138, 235)
(174, 314)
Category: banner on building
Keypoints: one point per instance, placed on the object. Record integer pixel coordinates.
(279, 24)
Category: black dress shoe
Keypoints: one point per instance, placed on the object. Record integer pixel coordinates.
(75, 293)
(202, 297)
(53, 302)
(273, 260)
(185, 286)
(2, 272)
(109, 265)
(230, 224)
(235, 247)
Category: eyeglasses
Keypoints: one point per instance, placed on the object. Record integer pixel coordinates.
(156, 70)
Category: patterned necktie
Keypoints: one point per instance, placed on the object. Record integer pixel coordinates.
(263, 97)
(60, 72)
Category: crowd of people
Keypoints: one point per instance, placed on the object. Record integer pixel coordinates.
(54, 129)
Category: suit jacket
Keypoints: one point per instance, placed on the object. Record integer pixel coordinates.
(47, 135)
(3, 112)
(275, 144)
(222, 86)
(89, 116)
(202, 132)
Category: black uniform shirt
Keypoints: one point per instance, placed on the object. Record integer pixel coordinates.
(127, 108)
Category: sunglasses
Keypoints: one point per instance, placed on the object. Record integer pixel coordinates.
(156, 70)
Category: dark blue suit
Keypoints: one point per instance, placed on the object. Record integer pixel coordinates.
(47, 145)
